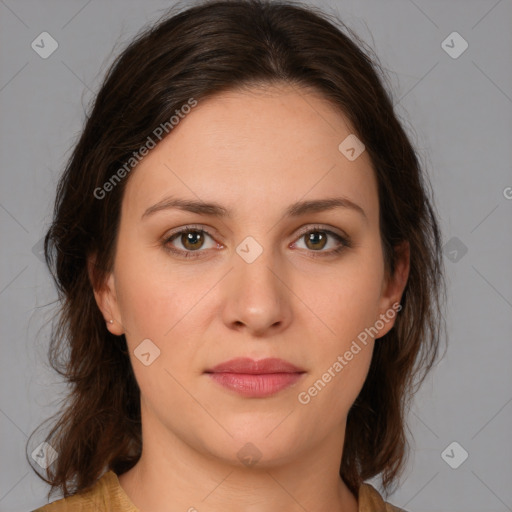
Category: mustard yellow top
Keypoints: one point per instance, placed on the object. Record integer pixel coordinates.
(107, 495)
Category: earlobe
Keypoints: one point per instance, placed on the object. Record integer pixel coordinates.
(106, 298)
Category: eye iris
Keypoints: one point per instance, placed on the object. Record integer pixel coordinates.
(190, 237)
(312, 237)
(193, 240)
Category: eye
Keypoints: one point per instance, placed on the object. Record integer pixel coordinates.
(191, 240)
(317, 238)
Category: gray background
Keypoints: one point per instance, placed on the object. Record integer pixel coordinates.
(459, 114)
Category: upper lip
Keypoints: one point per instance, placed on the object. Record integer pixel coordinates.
(250, 366)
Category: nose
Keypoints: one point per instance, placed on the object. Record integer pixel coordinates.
(256, 296)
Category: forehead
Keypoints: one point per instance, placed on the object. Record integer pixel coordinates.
(255, 148)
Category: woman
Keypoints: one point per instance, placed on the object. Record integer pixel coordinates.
(250, 271)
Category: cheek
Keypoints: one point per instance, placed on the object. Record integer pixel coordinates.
(341, 361)
(346, 385)
(152, 295)
(348, 304)
(352, 310)
(158, 308)
(349, 298)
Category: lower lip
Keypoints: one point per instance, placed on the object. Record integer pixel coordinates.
(256, 386)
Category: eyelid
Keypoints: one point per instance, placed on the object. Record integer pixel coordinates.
(167, 239)
(302, 231)
(343, 239)
(320, 227)
(191, 227)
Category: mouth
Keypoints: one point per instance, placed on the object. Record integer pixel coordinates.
(255, 379)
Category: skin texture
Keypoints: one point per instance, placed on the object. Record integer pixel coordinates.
(255, 152)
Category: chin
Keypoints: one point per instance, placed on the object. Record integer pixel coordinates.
(263, 444)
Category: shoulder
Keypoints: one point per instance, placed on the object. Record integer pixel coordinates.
(76, 503)
(370, 500)
(105, 495)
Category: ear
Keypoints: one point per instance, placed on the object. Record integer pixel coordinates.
(393, 288)
(106, 297)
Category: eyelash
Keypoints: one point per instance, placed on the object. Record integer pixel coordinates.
(345, 242)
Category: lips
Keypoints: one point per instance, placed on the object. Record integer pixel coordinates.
(255, 379)
(251, 367)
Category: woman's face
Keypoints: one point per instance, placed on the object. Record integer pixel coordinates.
(262, 281)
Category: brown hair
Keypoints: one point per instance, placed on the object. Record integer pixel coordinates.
(212, 47)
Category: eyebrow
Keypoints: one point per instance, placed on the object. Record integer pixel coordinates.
(216, 210)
